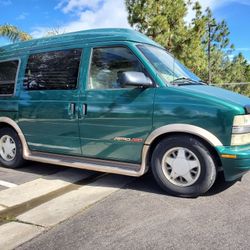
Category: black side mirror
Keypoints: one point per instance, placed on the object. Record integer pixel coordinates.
(134, 78)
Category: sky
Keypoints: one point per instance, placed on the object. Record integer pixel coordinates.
(37, 17)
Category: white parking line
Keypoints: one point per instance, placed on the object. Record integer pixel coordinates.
(7, 184)
(41, 186)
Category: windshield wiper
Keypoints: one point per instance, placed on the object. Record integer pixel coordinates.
(186, 81)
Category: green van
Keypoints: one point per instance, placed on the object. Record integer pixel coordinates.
(112, 100)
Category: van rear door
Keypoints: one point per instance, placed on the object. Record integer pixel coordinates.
(48, 101)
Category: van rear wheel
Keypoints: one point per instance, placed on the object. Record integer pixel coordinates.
(183, 166)
(11, 151)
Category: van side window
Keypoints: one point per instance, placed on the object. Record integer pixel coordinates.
(8, 72)
(108, 63)
(53, 70)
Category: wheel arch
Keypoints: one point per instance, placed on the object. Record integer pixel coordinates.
(204, 136)
(8, 122)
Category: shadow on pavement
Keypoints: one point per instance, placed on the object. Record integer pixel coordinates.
(220, 185)
(145, 183)
(38, 168)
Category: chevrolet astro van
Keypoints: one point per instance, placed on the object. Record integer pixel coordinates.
(113, 100)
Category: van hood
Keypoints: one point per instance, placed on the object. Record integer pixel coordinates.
(220, 93)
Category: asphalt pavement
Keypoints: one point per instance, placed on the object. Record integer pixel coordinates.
(29, 172)
(141, 216)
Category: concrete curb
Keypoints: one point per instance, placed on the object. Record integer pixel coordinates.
(47, 215)
(14, 234)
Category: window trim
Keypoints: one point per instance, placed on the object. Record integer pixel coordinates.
(17, 74)
(112, 46)
(49, 51)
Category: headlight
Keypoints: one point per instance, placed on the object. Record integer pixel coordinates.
(241, 130)
(240, 139)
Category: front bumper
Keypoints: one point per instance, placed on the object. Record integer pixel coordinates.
(236, 165)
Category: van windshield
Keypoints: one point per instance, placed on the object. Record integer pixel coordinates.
(169, 68)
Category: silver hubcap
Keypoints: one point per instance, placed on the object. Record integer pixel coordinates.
(7, 148)
(181, 166)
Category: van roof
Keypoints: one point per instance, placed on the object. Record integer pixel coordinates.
(87, 36)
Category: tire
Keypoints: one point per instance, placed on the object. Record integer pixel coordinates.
(11, 150)
(183, 166)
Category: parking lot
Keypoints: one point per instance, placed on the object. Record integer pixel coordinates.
(50, 207)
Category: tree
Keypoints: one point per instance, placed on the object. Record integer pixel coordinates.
(220, 48)
(192, 53)
(13, 33)
(165, 23)
(161, 20)
(239, 69)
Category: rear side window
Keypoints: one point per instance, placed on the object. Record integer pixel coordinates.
(53, 70)
(8, 72)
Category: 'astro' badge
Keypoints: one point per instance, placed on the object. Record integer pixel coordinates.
(128, 139)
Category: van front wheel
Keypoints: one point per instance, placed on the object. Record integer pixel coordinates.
(10, 149)
(183, 166)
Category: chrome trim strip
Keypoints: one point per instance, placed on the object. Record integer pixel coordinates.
(86, 163)
(184, 128)
(115, 167)
(241, 129)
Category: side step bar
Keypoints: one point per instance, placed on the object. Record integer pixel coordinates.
(114, 167)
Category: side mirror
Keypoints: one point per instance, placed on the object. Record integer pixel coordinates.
(134, 78)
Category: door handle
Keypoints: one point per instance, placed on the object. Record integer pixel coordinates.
(84, 109)
(72, 109)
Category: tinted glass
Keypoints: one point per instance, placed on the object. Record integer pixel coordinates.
(53, 70)
(8, 71)
(166, 65)
(108, 63)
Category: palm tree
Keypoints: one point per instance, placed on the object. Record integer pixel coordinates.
(13, 33)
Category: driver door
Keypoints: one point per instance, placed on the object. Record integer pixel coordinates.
(116, 119)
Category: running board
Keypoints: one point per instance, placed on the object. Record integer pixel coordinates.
(114, 167)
